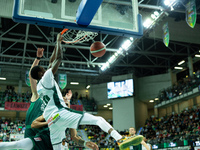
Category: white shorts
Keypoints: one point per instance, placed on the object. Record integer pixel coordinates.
(60, 120)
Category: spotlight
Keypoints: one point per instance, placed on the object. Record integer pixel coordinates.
(181, 62)
(179, 68)
(147, 23)
(167, 2)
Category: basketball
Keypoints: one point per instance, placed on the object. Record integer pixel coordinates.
(97, 49)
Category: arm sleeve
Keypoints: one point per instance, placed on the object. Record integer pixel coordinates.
(48, 79)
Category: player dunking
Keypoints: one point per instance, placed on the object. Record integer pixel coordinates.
(60, 117)
(38, 139)
(73, 133)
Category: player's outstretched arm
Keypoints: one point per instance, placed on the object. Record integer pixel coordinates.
(145, 145)
(59, 54)
(33, 82)
(79, 140)
(39, 122)
(52, 58)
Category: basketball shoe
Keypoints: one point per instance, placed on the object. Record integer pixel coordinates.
(133, 141)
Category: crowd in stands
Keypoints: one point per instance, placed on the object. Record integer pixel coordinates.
(8, 127)
(183, 86)
(103, 140)
(96, 135)
(9, 95)
(174, 128)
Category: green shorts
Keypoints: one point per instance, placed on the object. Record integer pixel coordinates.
(31, 132)
(41, 141)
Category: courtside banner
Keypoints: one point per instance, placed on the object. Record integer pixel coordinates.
(191, 14)
(27, 79)
(77, 107)
(166, 34)
(17, 106)
(62, 80)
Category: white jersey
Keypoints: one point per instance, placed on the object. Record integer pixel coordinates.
(50, 94)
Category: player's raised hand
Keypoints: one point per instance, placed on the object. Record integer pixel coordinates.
(92, 145)
(40, 52)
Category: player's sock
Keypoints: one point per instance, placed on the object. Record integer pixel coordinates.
(25, 144)
(115, 135)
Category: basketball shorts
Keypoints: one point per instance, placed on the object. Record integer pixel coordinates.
(31, 132)
(41, 141)
(60, 120)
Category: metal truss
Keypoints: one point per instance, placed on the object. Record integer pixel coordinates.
(140, 58)
(83, 62)
(24, 57)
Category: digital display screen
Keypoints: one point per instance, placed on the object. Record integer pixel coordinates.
(120, 89)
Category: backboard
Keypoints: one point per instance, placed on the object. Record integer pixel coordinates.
(115, 17)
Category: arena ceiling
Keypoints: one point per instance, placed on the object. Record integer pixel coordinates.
(147, 56)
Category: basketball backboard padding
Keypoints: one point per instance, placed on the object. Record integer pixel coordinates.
(86, 11)
(113, 24)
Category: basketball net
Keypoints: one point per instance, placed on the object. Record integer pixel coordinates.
(77, 36)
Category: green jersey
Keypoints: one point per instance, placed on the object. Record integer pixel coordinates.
(35, 110)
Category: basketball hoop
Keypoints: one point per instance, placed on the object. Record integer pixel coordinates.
(77, 36)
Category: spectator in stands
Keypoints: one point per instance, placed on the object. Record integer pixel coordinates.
(176, 127)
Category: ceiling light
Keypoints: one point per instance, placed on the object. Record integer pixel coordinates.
(103, 68)
(178, 68)
(167, 2)
(88, 87)
(111, 59)
(108, 104)
(197, 55)
(2, 78)
(120, 50)
(156, 99)
(181, 62)
(153, 16)
(147, 23)
(111, 108)
(126, 44)
(131, 38)
(156, 13)
(107, 64)
(74, 83)
(151, 101)
(105, 106)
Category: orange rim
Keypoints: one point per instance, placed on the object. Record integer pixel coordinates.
(63, 31)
